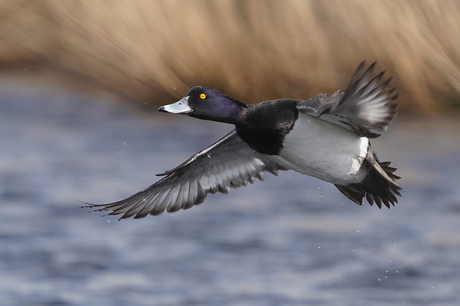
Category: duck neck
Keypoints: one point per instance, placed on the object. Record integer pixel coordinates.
(233, 113)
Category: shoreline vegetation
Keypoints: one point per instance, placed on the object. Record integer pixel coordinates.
(252, 50)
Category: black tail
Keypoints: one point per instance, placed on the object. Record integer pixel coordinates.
(379, 185)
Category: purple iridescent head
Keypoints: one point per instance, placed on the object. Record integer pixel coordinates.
(206, 103)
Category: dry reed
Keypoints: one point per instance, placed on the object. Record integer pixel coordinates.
(253, 50)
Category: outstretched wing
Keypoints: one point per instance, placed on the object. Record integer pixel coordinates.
(228, 163)
(365, 107)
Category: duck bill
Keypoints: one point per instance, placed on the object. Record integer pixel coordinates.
(180, 107)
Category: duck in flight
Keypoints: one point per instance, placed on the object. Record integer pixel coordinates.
(327, 137)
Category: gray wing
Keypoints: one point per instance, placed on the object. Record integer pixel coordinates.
(366, 105)
(228, 163)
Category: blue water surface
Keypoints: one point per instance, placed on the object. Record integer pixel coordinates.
(290, 240)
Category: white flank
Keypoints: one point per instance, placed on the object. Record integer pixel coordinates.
(356, 163)
(323, 150)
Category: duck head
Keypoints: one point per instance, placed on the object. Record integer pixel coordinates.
(208, 104)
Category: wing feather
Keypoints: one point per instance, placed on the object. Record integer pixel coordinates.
(228, 163)
(366, 107)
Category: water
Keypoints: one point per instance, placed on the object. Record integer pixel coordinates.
(291, 240)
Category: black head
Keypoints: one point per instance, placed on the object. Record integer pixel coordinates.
(207, 103)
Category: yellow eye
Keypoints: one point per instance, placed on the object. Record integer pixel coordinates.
(202, 96)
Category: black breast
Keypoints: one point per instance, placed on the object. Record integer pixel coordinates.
(264, 125)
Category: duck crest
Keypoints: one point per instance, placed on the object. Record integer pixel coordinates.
(264, 126)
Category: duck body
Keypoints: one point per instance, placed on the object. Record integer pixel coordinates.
(306, 153)
(303, 143)
(327, 137)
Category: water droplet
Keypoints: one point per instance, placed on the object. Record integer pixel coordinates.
(319, 247)
(320, 195)
(357, 230)
(108, 221)
(124, 143)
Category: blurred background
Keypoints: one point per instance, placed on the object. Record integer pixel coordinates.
(80, 82)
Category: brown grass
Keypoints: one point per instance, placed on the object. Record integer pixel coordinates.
(253, 50)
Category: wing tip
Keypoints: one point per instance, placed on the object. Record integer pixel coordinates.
(373, 103)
